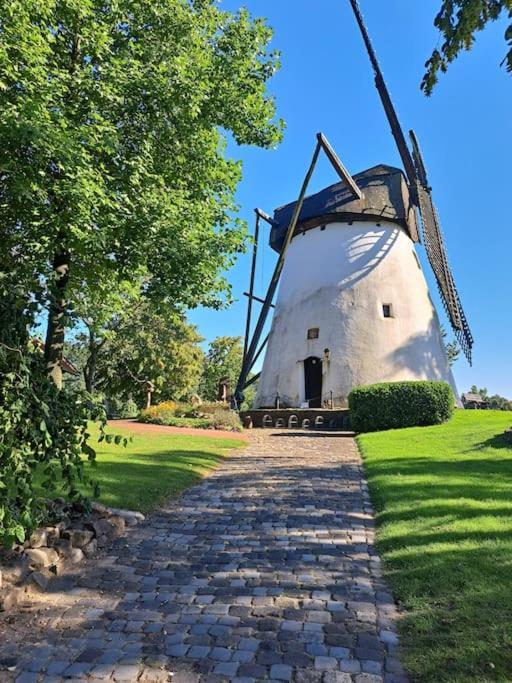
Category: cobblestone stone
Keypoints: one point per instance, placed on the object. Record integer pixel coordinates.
(265, 570)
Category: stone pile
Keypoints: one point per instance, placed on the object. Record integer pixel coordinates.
(77, 535)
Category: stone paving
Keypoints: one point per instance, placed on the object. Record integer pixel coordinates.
(265, 571)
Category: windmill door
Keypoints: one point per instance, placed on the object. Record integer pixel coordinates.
(313, 381)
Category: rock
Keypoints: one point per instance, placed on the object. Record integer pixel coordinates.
(78, 537)
(11, 597)
(103, 527)
(19, 571)
(131, 520)
(76, 555)
(118, 522)
(8, 663)
(91, 548)
(103, 510)
(102, 541)
(71, 555)
(41, 578)
(99, 508)
(42, 557)
(53, 535)
(63, 546)
(0, 579)
(38, 539)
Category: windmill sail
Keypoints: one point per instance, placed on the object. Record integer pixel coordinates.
(387, 103)
(421, 195)
(436, 254)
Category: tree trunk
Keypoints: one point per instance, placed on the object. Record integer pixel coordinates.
(90, 367)
(54, 345)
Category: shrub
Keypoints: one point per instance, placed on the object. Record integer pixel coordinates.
(195, 422)
(206, 416)
(226, 419)
(121, 408)
(393, 405)
(42, 430)
(213, 407)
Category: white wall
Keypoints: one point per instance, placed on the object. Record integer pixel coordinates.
(337, 279)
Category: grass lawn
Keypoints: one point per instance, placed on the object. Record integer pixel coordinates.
(153, 467)
(443, 497)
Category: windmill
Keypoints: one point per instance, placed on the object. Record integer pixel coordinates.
(353, 305)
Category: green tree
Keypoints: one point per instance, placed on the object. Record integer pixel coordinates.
(452, 348)
(113, 120)
(150, 352)
(483, 393)
(223, 360)
(458, 21)
(98, 316)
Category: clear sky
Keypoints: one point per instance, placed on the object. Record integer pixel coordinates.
(464, 129)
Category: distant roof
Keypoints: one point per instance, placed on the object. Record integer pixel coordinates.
(473, 398)
(67, 365)
(386, 197)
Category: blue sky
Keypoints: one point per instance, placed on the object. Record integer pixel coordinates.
(465, 131)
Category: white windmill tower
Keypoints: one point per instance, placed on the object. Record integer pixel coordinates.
(353, 305)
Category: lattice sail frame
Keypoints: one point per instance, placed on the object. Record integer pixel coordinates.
(422, 197)
(437, 256)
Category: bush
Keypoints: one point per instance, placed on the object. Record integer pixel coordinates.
(393, 405)
(213, 407)
(42, 429)
(195, 422)
(121, 408)
(206, 416)
(226, 419)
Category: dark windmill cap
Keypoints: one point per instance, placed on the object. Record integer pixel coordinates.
(386, 198)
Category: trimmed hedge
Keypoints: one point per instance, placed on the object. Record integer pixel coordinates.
(393, 405)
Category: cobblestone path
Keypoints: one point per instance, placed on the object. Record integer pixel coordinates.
(266, 570)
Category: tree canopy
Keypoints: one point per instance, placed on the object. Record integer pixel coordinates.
(223, 360)
(458, 21)
(143, 348)
(114, 116)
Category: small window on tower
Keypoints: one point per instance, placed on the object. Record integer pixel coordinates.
(387, 310)
(313, 332)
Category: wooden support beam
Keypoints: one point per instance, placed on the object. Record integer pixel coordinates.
(251, 283)
(262, 214)
(257, 298)
(339, 167)
(248, 360)
(253, 379)
(258, 352)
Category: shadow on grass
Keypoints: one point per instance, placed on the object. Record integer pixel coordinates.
(446, 537)
(135, 480)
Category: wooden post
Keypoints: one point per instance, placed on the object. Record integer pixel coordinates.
(275, 277)
(251, 282)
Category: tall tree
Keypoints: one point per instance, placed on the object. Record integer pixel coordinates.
(99, 315)
(223, 360)
(150, 353)
(459, 21)
(113, 121)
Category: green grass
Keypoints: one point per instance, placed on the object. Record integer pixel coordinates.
(443, 497)
(153, 467)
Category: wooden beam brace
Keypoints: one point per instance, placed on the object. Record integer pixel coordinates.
(253, 379)
(257, 298)
(339, 167)
(248, 360)
(258, 352)
(251, 283)
(262, 214)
